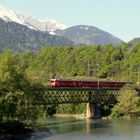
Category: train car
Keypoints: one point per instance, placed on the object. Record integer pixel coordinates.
(86, 83)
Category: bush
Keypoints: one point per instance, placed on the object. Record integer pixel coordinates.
(128, 103)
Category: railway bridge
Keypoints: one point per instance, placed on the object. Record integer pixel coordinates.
(94, 97)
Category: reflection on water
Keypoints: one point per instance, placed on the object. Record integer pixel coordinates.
(93, 129)
(69, 129)
(92, 126)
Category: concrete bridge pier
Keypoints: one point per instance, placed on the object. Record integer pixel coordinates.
(90, 111)
(93, 111)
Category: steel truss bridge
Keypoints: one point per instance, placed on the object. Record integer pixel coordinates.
(94, 97)
(76, 95)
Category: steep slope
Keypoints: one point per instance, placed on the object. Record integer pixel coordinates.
(89, 35)
(20, 38)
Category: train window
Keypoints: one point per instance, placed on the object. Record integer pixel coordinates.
(85, 82)
(67, 81)
(89, 82)
(52, 81)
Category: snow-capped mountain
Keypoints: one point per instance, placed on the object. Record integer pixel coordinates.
(29, 21)
(25, 31)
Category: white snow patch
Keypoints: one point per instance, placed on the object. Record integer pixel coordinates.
(84, 28)
(52, 33)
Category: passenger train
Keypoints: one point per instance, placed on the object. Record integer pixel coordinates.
(86, 83)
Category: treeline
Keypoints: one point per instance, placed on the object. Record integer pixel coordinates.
(20, 73)
(109, 62)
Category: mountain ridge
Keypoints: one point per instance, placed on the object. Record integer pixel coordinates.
(19, 37)
(88, 35)
(32, 34)
(134, 41)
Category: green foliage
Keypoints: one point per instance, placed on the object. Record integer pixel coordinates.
(19, 73)
(16, 95)
(71, 109)
(108, 62)
(128, 103)
(89, 62)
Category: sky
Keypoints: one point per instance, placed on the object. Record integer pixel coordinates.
(118, 17)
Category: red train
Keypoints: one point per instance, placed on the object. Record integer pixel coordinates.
(85, 83)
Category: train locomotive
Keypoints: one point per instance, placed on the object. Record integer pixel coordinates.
(87, 83)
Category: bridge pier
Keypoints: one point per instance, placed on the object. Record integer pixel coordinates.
(90, 111)
(93, 111)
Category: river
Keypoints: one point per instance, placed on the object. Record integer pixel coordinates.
(71, 129)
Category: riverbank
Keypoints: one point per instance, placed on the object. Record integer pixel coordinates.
(76, 116)
(14, 127)
(11, 129)
(22, 136)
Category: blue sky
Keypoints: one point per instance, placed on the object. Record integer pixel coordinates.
(119, 17)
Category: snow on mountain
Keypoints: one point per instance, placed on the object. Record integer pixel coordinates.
(9, 16)
(44, 25)
(52, 25)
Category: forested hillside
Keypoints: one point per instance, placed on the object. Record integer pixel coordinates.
(108, 62)
(20, 73)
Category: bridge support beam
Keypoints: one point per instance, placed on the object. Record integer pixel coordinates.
(90, 110)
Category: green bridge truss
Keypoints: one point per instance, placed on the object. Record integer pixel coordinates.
(71, 95)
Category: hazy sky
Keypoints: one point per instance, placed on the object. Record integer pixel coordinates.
(119, 17)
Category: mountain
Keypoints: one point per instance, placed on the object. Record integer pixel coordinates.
(29, 21)
(18, 37)
(134, 41)
(24, 32)
(89, 35)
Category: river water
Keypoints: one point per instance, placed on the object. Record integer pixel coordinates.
(71, 129)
